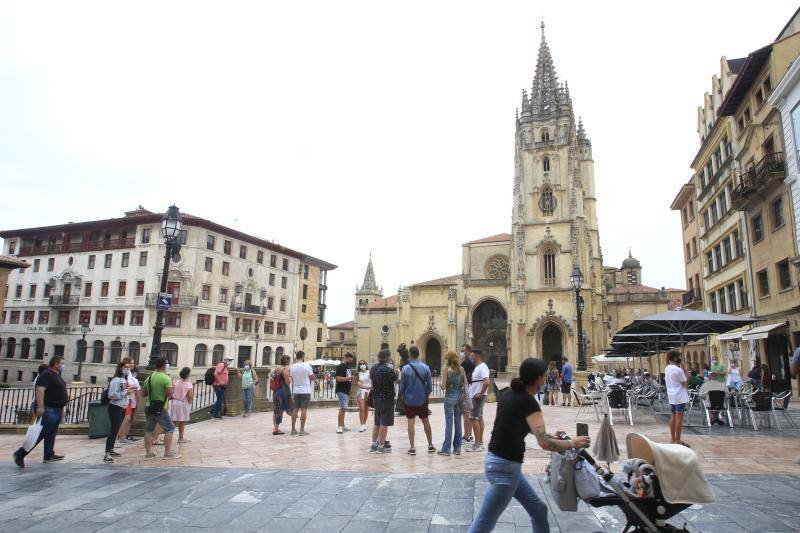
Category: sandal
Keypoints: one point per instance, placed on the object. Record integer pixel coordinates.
(183, 441)
(412, 451)
(278, 433)
(684, 444)
(158, 443)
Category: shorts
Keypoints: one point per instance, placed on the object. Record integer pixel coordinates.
(420, 410)
(566, 388)
(363, 393)
(383, 412)
(477, 408)
(162, 420)
(343, 398)
(677, 408)
(302, 401)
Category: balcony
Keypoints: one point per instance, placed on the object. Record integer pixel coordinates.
(770, 169)
(248, 308)
(692, 296)
(61, 300)
(179, 302)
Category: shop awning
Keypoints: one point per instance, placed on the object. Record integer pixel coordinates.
(732, 336)
(762, 332)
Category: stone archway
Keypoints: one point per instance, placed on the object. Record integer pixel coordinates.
(490, 322)
(552, 344)
(433, 355)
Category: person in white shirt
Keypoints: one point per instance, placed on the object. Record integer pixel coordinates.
(678, 396)
(478, 386)
(302, 375)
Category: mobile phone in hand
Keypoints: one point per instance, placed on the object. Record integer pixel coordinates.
(582, 430)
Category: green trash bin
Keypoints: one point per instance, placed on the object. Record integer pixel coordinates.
(99, 423)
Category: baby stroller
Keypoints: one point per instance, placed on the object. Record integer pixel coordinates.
(662, 480)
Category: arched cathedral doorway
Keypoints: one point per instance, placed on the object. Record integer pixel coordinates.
(552, 345)
(490, 322)
(433, 355)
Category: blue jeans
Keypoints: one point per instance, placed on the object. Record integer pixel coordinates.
(507, 481)
(50, 421)
(216, 409)
(247, 398)
(452, 411)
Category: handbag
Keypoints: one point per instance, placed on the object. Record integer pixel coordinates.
(562, 480)
(587, 482)
(464, 398)
(370, 400)
(156, 406)
(32, 435)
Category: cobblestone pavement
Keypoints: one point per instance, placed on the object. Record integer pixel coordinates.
(86, 498)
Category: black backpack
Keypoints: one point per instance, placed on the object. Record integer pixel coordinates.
(209, 377)
(104, 397)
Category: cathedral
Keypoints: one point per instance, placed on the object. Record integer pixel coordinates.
(514, 297)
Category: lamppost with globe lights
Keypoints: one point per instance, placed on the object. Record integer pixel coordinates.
(171, 227)
(576, 278)
(84, 330)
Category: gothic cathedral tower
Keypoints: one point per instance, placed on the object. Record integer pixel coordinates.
(554, 226)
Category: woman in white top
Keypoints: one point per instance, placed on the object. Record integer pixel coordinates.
(364, 384)
(675, 379)
(133, 397)
(734, 375)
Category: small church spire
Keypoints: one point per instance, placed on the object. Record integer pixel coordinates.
(369, 285)
(545, 90)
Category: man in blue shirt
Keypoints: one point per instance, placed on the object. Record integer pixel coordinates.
(416, 385)
(566, 383)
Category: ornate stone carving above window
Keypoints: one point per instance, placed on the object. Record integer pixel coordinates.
(497, 267)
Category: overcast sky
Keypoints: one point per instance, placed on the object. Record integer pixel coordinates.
(344, 128)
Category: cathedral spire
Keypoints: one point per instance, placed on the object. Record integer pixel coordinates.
(369, 285)
(544, 93)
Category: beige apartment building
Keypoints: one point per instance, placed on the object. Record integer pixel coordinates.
(232, 293)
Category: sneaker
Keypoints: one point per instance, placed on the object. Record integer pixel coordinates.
(172, 455)
(412, 451)
(345, 428)
(294, 432)
(340, 429)
(388, 446)
(304, 433)
(467, 439)
(114, 454)
(19, 460)
(382, 449)
(475, 448)
(442, 452)
(362, 428)
(131, 439)
(54, 459)
(149, 456)
(431, 448)
(124, 441)
(373, 447)
(108, 459)
(457, 451)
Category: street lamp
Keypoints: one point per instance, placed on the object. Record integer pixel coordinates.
(171, 227)
(84, 330)
(576, 278)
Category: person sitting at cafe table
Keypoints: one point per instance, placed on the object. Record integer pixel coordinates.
(695, 381)
(718, 372)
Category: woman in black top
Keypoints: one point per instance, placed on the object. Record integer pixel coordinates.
(518, 414)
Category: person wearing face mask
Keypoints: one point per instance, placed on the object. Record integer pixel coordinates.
(364, 384)
(118, 391)
(678, 396)
(181, 405)
(133, 398)
(51, 397)
(249, 382)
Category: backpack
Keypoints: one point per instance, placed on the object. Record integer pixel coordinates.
(277, 381)
(209, 377)
(104, 397)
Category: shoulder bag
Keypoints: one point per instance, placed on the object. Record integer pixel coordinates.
(464, 398)
(156, 406)
(562, 480)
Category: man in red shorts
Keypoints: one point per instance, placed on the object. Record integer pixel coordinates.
(416, 385)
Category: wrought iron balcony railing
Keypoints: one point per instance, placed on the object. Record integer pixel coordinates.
(772, 167)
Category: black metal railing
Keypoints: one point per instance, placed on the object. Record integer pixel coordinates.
(691, 296)
(248, 308)
(770, 167)
(151, 298)
(63, 300)
(15, 404)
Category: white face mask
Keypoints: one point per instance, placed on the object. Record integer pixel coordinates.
(363, 367)
(126, 372)
(247, 367)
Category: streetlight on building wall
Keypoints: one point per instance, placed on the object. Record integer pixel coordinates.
(576, 278)
(171, 227)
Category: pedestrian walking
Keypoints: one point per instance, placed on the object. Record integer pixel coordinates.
(158, 390)
(364, 385)
(281, 395)
(302, 375)
(453, 382)
(344, 381)
(518, 414)
(118, 391)
(552, 384)
(180, 406)
(678, 396)
(220, 385)
(51, 398)
(416, 385)
(566, 383)
(468, 365)
(477, 389)
(383, 378)
(249, 382)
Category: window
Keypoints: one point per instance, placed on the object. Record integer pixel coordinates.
(85, 317)
(303, 308)
(710, 262)
(269, 327)
(133, 351)
(63, 318)
(767, 85)
(281, 329)
(713, 298)
(100, 318)
(115, 352)
(305, 291)
(723, 203)
(13, 317)
(740, 125)
(18, 292)
(549, 266)
(51, 264)
(205, 292)
(145, 236)
(758, 228)
(272, 280)
(728, 147)
(718, 257)
(723, 307)
(172, 319)
(714, 212)
(546, 164)
(688, 252)
(104, 289)
(200, 352)
(702, 176)
(32, 291)
(203, 321)
(25, 348)
(737, 243)
(706, 220)
(270, 302)
(12, 247)
(211, 242)
(547, 203)
(44, 317)
(107, 261)
(776, 208)
(273, 260)
(87, 290)
(283, 305)
(122, 288)
(284, 281)
(118, 318)
(10, 347)
(90, 263)
(142, 259)
(169, 351)
(236, 325)
(126, 257)
(260, 257)
(242, 251)
(266, 358)
(223, 295)
(305, 271)
(718, 158)
(247, 325)
(731, 290)
(694, 246)
(97, 352)
(285, 265)
(80, 352)
(221, 323)
(726, 250)
(36, 265)
(137, 318)
(784, 276)
(184, 236)
(140, 288)
(763, 283)
(28, 317)
(209, 266)
(747, 118)
(226, 268)
(226, 247)
(319, 334)
(218, 354)
(709, 170)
